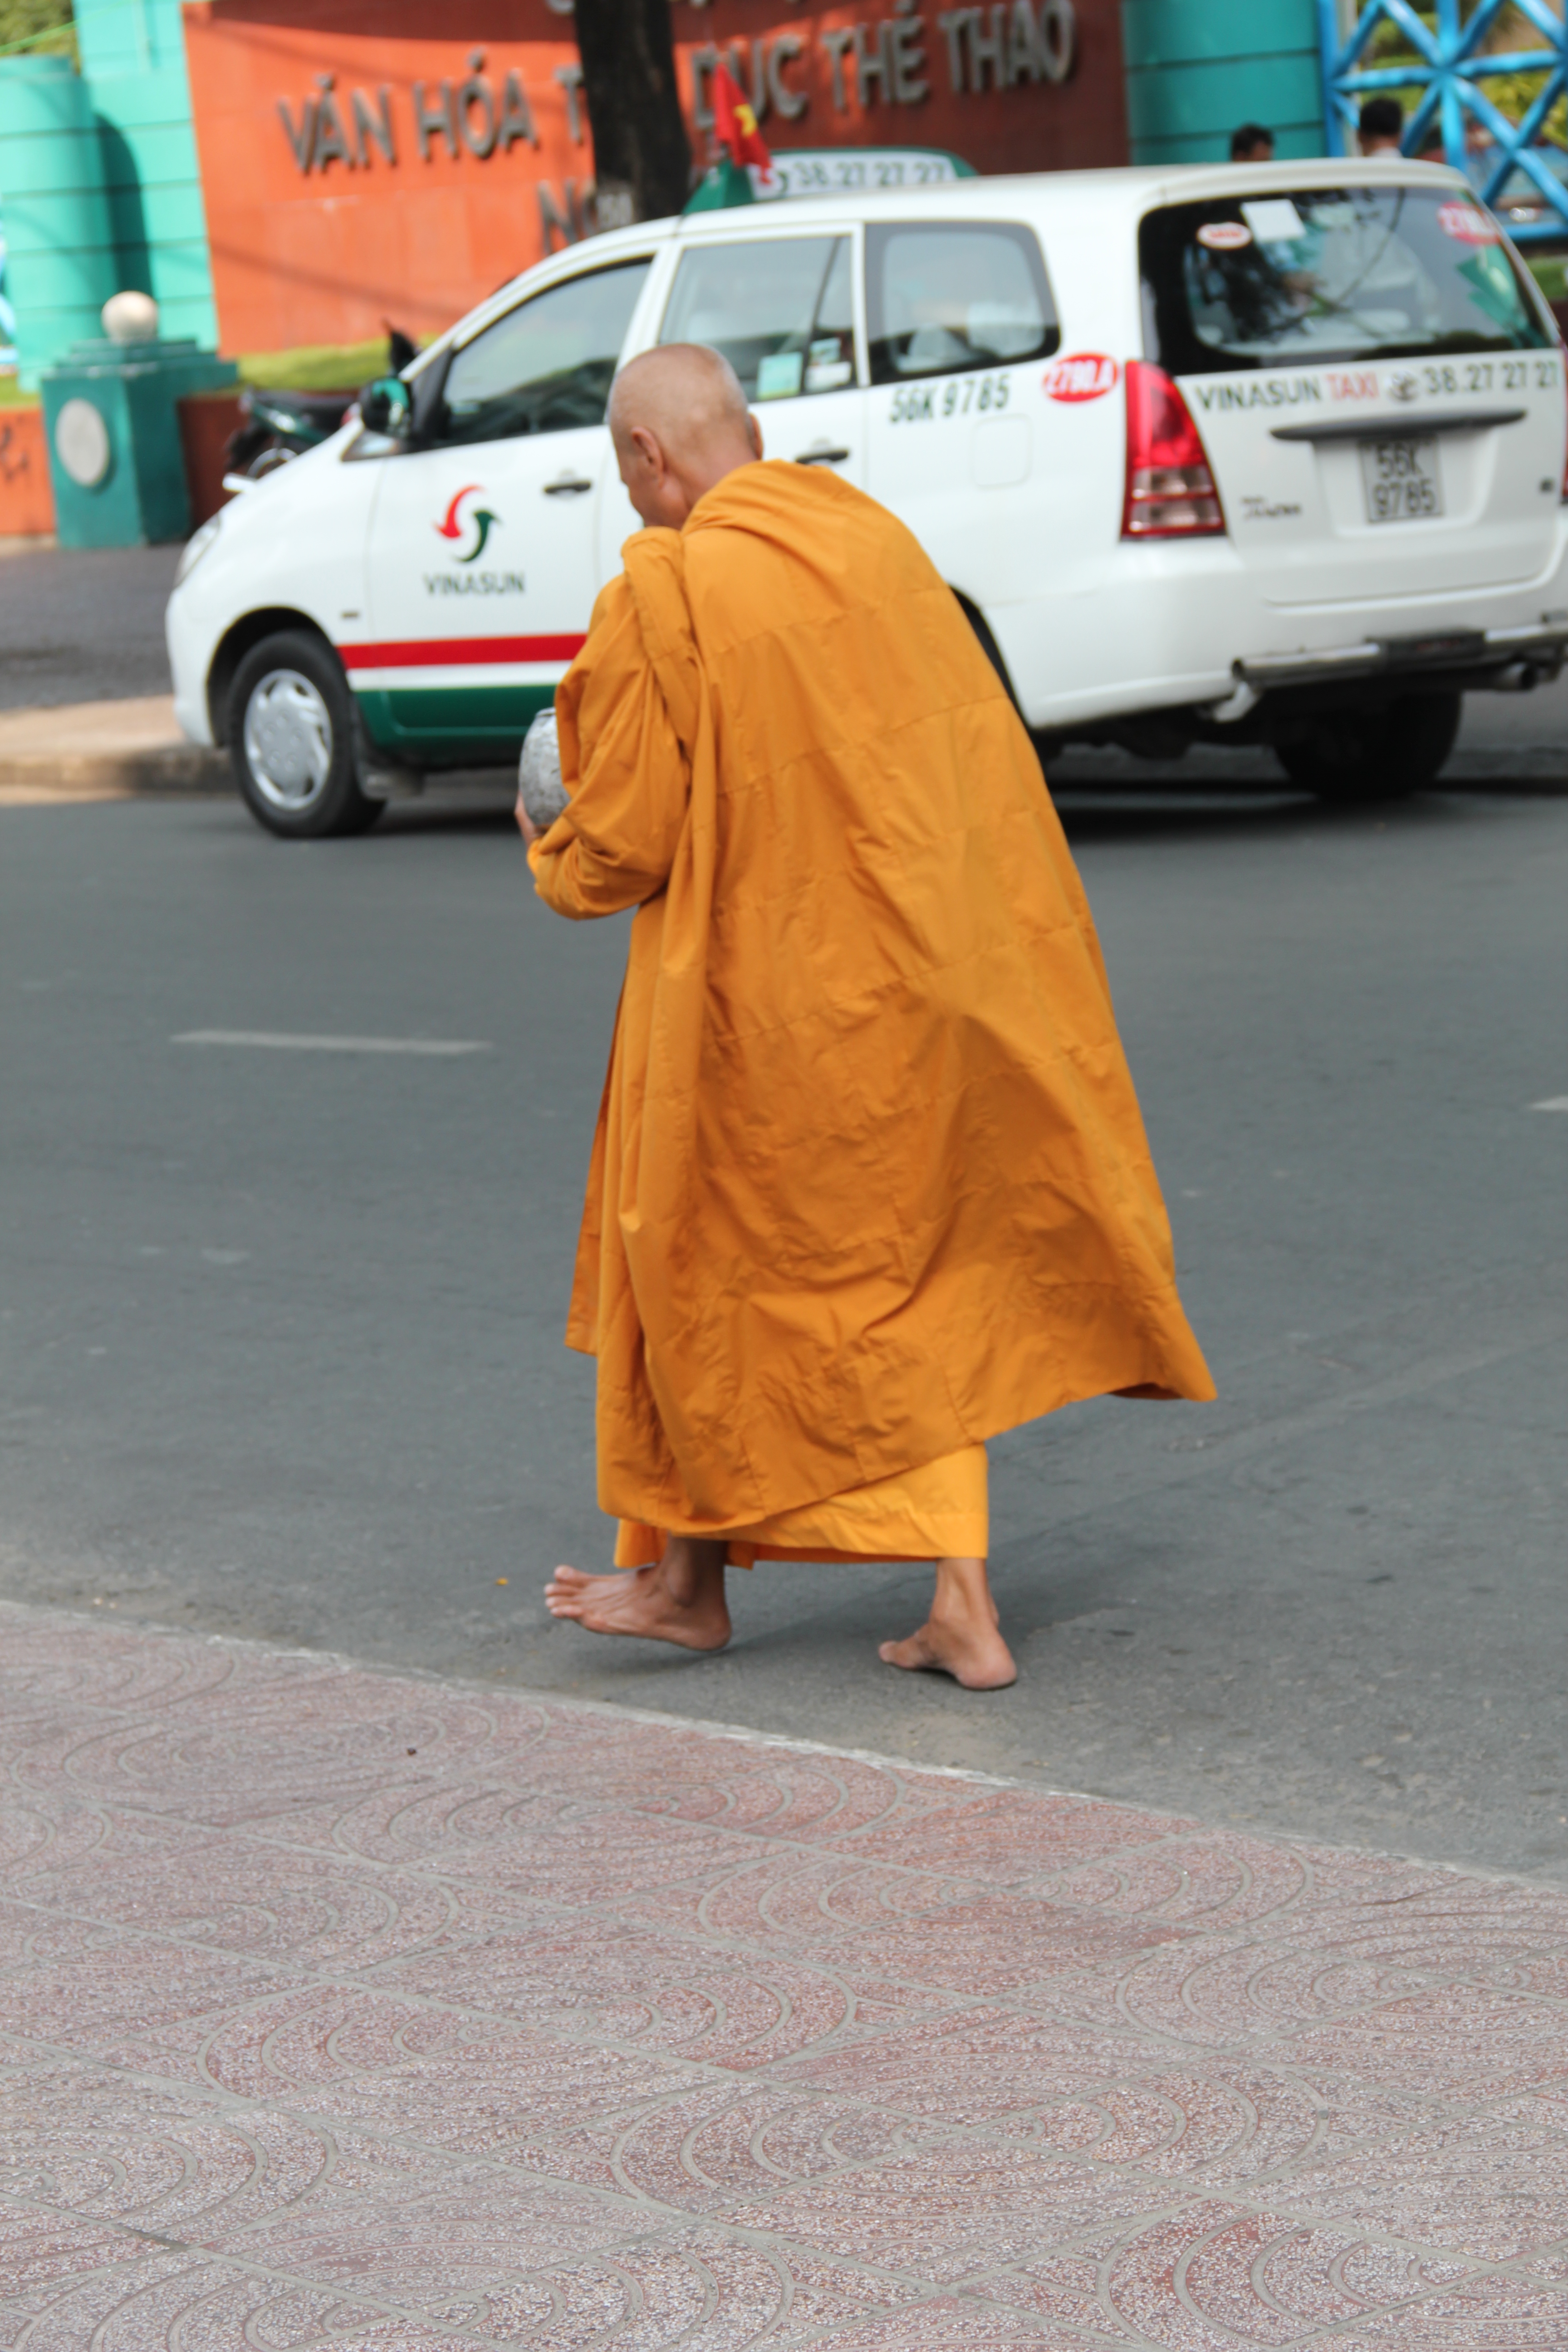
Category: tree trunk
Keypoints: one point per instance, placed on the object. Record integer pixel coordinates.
(642, 163)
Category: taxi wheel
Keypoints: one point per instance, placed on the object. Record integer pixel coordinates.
(1375, 755)
(292, 739)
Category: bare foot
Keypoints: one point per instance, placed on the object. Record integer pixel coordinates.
(640, 1601)
(977, 1661)
(961, 1636)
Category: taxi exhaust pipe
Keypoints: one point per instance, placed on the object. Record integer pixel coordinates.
(1235, 708)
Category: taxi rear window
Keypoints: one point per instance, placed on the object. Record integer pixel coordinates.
(1291, 280)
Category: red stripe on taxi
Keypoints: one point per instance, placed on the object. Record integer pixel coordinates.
(445, 653)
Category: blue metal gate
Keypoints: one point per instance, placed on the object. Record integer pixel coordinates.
(1452, 66)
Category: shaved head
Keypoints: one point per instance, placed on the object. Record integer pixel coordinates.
(680, 423)
(683, 391)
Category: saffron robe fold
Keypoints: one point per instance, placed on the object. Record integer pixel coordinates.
(939, 1511)
(869, 1182)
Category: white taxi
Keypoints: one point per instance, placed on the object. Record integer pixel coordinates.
(1235, 454)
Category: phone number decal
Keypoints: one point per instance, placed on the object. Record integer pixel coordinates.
(923, 404)
(1482, 375)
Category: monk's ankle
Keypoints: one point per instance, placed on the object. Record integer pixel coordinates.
(692, 1572)
(961, 1602)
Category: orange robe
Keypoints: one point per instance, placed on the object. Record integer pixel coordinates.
(939, 1511)
(869, 1182)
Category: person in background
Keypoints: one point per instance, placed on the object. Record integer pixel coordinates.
(1252, 144)
(1382, 126)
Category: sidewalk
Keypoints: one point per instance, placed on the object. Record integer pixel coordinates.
(103, 750)
(343, 2007)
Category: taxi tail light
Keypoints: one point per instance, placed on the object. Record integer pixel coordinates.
(1170, 492)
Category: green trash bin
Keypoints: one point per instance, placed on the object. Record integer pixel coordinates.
(113, 434)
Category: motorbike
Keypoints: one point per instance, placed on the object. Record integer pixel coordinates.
(277, 426)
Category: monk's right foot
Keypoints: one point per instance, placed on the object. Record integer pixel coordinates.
(975, 1654)
(639, 1602)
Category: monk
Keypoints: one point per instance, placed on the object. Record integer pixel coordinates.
(869, 1183)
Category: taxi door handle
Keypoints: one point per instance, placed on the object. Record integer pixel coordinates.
(820, 455)
(566, 487)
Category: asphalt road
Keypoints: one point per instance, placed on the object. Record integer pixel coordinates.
(280, 1330)
(82, 625)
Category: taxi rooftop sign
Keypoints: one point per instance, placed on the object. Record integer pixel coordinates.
(825, 171)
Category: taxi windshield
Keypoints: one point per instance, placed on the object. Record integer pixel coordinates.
(1290, 280)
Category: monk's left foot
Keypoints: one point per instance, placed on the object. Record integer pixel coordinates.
(641, 1603)
(973, 1654)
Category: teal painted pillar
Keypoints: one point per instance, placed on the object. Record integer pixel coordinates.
(111, 418)
(1198, 68)
(133, 62)
(59, 244)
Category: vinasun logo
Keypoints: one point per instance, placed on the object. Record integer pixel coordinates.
(454, 526)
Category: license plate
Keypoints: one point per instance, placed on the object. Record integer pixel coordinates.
(1401, 478)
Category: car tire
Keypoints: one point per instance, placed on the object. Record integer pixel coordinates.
(1375, 755)
(293, 740)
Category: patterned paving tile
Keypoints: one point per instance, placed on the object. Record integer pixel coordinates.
(586, 1854)
(1544, 1972)
(696, 2288)
(51, 1658)
(1011, 1835)
(1481, 2315)
(1455, 1928)
(944, 2324)
(1222, 2121)
(771, 1791)
(727, 2142)
(43, 2254)
(803, 1899)
(1455, 2043)
(84, 2141)
(1002, 1943)
(225, 1891)
(1224, 1990)
(1223, 1879)
(360, 2058)
(984, 2065)
(422, 2231)
(341, 2009)
(1492, 2186)
(263, 1752)
(727, 2007)
(184, 2302)
(94, 1989)
(942, 2214)
(1210, 2276)
(37, 1837)
(1064, 2288)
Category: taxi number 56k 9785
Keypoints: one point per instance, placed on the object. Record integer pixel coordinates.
(922, 404)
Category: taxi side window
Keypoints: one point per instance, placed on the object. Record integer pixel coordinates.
(781, 310)
(945, 296)
(546, 366)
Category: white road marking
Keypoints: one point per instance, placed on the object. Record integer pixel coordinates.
(1553, 1102)
(286, 1044)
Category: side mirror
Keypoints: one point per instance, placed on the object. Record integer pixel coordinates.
(385, 407)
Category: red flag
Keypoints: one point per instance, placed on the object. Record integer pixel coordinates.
(735, 125)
